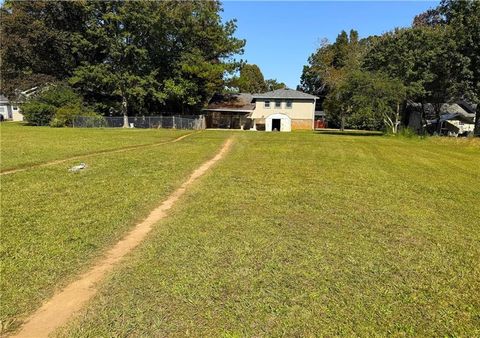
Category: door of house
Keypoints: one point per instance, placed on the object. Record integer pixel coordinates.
(276, 123)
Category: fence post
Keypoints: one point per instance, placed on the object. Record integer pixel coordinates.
(173, 122)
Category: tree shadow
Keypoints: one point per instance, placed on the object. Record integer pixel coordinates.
(349, 132)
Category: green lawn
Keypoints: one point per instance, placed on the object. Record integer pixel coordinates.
(53, 222)
(22, 146)
(297, 234)
(303, 235)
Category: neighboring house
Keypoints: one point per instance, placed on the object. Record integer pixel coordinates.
(229, 111)
(9, 111)
(456, 118)
(283, 110)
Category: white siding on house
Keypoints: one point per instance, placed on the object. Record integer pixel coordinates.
(16, 114)
(285, 122)
(300, 110)
(10, 111)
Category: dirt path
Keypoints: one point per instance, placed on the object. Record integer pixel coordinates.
(100, 152)
(60, 308)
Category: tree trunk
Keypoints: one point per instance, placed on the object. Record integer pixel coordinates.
(437, 108)
(476, 131)
(397, 119)
(342, 122)
(124, 111)
(424, 120)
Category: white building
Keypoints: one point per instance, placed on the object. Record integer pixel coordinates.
(278, 110)
(9, 111)
(283, 110)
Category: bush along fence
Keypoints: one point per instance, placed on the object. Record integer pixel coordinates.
(171, 122)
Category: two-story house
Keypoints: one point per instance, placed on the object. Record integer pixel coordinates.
(283, 110)
(278, 110)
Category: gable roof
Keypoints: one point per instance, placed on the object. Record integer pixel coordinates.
(3, 99)
(241, 102)
(448, 109)
(469, 107)
(285, 93)
(454, 108)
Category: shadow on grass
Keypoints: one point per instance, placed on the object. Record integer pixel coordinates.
(349, 132)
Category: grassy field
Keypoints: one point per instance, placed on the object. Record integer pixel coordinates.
(294, 234)
(305, 235)
(55, 222)
(23, 146)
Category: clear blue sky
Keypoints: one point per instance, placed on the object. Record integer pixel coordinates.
(282, 34)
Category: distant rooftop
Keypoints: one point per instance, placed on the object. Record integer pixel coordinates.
(241, 102)
(284, 94)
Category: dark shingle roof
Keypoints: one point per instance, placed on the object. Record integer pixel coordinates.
(231, 102)
(284, 94)
(453, 108)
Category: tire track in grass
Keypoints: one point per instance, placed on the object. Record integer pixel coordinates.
(62, 306)
(100, 152)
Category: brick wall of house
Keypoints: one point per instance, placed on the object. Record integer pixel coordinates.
(302, 124)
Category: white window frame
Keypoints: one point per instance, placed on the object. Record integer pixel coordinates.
(279, 104)
(291, 104)
(267, 104)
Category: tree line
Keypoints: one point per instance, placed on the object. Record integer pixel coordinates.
(251, 80)
(368, 83)
(138, 57)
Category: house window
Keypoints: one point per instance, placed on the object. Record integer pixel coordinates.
(278, 104)
(289, 104)
(267, 104)
(15, 108)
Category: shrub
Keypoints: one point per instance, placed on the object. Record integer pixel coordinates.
(41, 108)
(60, 96)
(408, 133)
(38, 113)
(68, 116)
(64, 115)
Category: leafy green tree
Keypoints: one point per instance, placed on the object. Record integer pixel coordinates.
(330, 64)
(463, 17)
(37, 37)
(439, 58)
(273, 84)
(204, 47)
(431, 17)
(428, 62)
(251, 79)
(142, 56)
(367, 100)
(146, 55)
(117, 60)
(311, 82)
